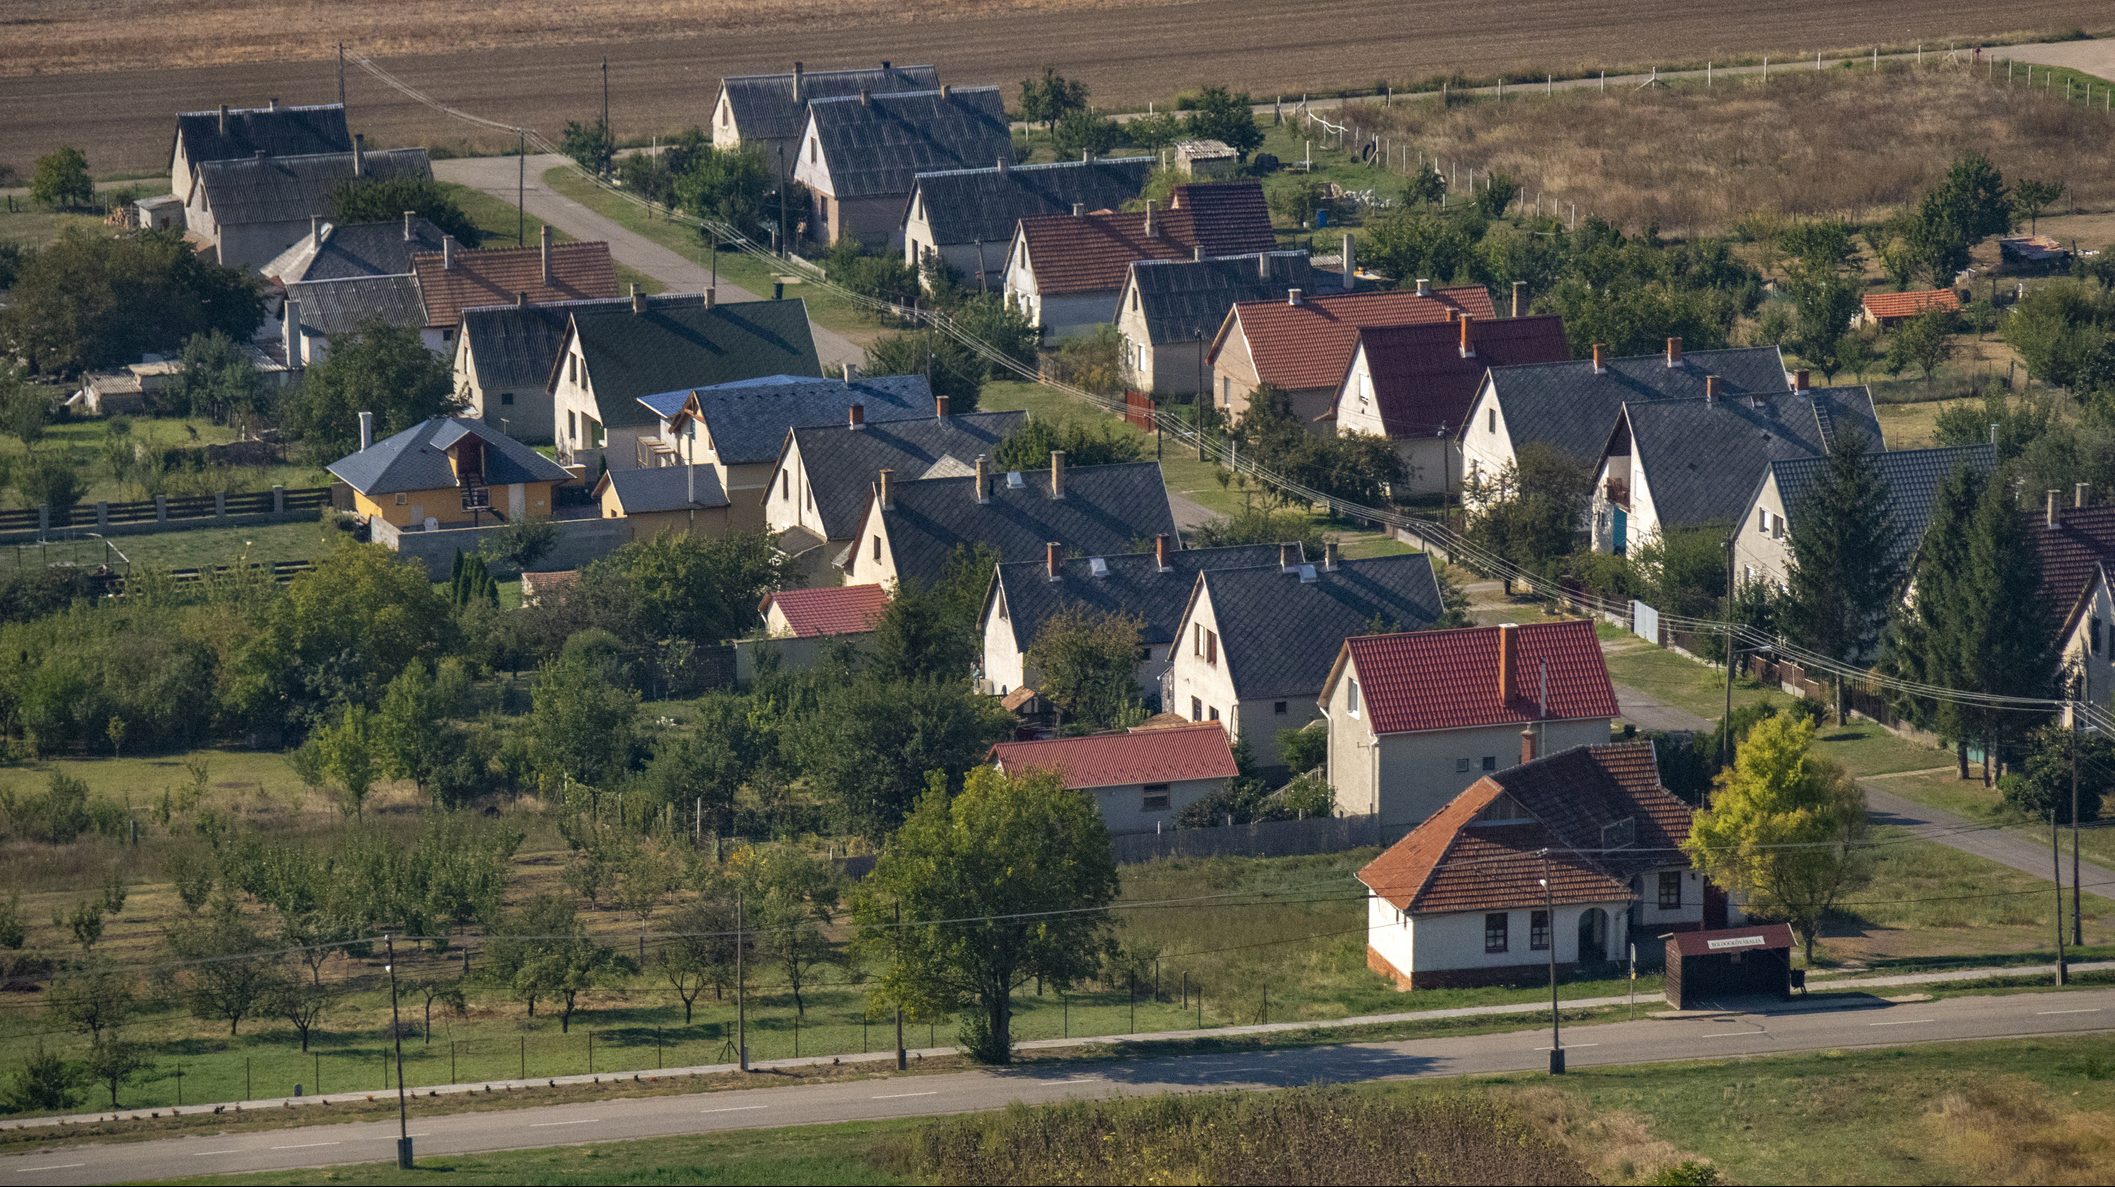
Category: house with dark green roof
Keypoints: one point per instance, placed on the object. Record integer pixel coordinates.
(1909, 479)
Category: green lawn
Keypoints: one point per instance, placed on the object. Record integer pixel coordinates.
(87, 443)
(498, 219)
(1679, 681)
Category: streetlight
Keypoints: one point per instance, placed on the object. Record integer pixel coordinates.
(1549, 912)
(396, 1033)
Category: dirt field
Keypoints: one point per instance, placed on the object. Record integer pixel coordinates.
(106, 76)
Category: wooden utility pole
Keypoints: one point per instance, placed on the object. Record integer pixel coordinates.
(341, 74)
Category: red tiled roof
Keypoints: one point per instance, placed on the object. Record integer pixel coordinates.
(829, 610)
(1439, 680)
(1890, 306)
(1094, 252)
(1164, 755)
(499, 275)
(1764, 936)
(2072, 553)
(1423, 384)
(1309, 345)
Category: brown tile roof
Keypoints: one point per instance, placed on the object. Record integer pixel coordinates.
(1309, 345)
(2072, 553)
(829, 610)
(1422, 383)
(1093, 252)
(1893, 306)
(1438, 680)
(499, 275)
(1161, 755)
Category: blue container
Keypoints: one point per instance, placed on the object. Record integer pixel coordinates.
(1321, 219)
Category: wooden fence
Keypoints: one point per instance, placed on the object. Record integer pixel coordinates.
(183, 511)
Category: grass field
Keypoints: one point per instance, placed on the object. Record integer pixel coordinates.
(84, 443)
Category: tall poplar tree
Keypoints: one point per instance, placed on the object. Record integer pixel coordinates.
(1843, 573)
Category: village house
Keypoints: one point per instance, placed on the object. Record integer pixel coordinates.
(244, 133)
(609, 358)
(454, 278)
(2077, 550)
(683, 499)
(1064, 272)
(334, 252)
(1413, 384)
(1413, 719)
(504, 355)
(1461, 900)
(819, 484)
(1888, 310)
(1140, 779)
(1301, 342)
(447, 472)
(768, 112)
(1910, 479)
(1169, 309)
(860, 154)
(1572, 406)
(1254, 646)
(962, 221)
(826, 612)
(253, 208)
(328, 309)
(910, 531)
(1152, 587)
(1672, 465)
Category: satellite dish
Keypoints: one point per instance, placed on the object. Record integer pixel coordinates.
(432, 524)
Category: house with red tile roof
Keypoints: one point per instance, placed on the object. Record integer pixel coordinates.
(1139, 779)
(1065, 271)
(823, 612)
(1887, 310)
(1302, 342)
(1461, 899)
(455, 278)
(1413, 384)
(1415, 718)
(2077, 548)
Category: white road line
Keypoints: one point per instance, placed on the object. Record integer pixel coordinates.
(549, 1124)
(736, 1109)
(1904, 1022)
(1571, 1046)
(1733, 1034)
(61, 1166)
(211, 1153)
(901, 1095)
(304, 1146)
(2087, 1010)
(1075, 1080)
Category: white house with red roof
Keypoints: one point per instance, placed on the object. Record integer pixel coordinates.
(1140, 779)
(1415, 718)
(1461, 900)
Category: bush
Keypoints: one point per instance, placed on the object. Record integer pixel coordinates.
(1305, 748)
(1085, 444)
(60, 180)
(44, 1084)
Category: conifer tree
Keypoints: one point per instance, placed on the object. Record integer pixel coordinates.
(1843, 576)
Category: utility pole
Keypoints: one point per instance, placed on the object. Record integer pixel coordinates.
(1725, 724)
(396, 1033)
(521, 188)
(1549, 907)
(2056, 869)
(2085, 697)
(903, 1059)
(741, 987)
(606, 100)
(782, 200)
(341, 74)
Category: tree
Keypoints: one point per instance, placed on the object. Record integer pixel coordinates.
(1294, 197)
(590, 145)
(60, 181)
(869, 744)
(544, 951)
(94, 996)
(1006, 883)
(790, 897)
(1086, 665)
(700, 952)
(647, 873)
(2030, 197)
(698, 771)
(50, 480)
(1498, 193)
(1085, 443)
(521, 542)
(113, 1061)
(1305, 748)
(2043, 783)
(25, 408)
(1784, 831)
(377, 368)
(352, 757)
(1854, 353)
(732, 186)
(1048, 99)
(929, 632)
(1843, 576)
(1412, 242)
(1217, 114)
(1097, 361)
(1969, 205)
(952, 369)
(675, 585)
(1154, 131)
(387, 199)
(1825, 303)
(1531, 513)
(1081, 132)
(583, 724)
(43, 1084)
(1427, 187)
(993, 320)
(1927, 640)
(224, 967)
(218, 381)
(300, 1003)
(1921, 342)
(411, 730)
(87, 300)
(2008, 629)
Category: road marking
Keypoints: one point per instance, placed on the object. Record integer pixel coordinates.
(304, 1146)
(736, 1109)
(211, 1153)
(62, 1166)
(1571, 1046)
(549, 1124)
(901, 1095)
(2087, 1010)
(1076, 1080)
(1733, 1034)
(1904, 1022)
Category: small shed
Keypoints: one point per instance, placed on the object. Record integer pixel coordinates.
(1706, 966)
(158, 213)
(1206, 158)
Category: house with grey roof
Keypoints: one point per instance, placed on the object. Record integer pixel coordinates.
(686, 499)
(768, 112)
(240, 133)
(1152, 587)
(860, 154)
(503, 356)
(911, 530)
(1169, 310)
(611, 357)
(1572, 406)
(1253, 646)
(819, 484)
(962, 220)
(1909, 478)
(334, 252)
(327, 309)
(253, 208)
(447, 472)
(1674, 465)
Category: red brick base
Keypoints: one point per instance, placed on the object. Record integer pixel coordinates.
(1515, 974)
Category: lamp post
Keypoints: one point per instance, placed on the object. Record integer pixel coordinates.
(396, 1034)
(1549, 908)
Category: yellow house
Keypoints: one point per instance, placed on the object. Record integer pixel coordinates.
(685, 499)
(447, 472)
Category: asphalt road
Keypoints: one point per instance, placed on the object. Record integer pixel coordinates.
(2002, 846)
(1729, 1034)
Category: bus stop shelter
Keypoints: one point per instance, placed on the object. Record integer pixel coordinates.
(1705, 967)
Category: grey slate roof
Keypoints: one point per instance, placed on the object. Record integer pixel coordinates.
(1912, 478)
(417, 459)
(1133, 585)
(874, 148)
(667, 488)
(515, 346)
(673, 348)
(983, 204)
(359, 249)
(764, 107)
(1280, 633)
(1702, 459)
(275, 131)
(334, 307)
(1106, 510)
(290, 189)
(1188, 300)
(748, 419)
(841, 463)
(1567, 406)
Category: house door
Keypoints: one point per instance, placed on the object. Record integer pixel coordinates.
(1593, 935)
(1618, 542)
(516, 500)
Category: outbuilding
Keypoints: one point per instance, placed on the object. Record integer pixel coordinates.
(1706, 967)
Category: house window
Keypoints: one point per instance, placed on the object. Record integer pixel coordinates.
(1461, 766)
(1490, 762)
(1671, 890)
(1490, 421)
(1351, 696)
(785, 485)
(2093, 637)
(572, 425)
(1494, 931)
(1278, 707)
(1212, 714)
(403, 499)
(1762, 521)
(877, 547)
(1154, 798)
(1211, 648)
(506, 397)
(1196, 709)
(813, 149)
(1539, 931)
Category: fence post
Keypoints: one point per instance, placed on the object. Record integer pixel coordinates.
(102, 517)
(161, 509)
(220, 504)
(43, 520)
(278, 499)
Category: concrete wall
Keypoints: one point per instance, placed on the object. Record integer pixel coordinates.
(1123, 807)
(579, 541)
(1449, 948)
(1271, 838)
(792, 654)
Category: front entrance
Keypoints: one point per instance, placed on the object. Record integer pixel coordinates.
(1593, 935)
(1619, 535)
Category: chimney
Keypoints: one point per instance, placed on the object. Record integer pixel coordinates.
(947, 90)
(1054, 559)
(1086, 155)
(1674, 352)
(272, 104)
(1079, 210)
(1527, 745)
(866, 98)
(1262, 265)
(1288, 557)
(367, 430)
(1710, 389)
(2081, 494)
(797, 72)
(1993, 434)
(1351, 268)
(359, 154)
(521, 299)
(290, 334)
(1196, 253)
(543, 248)
(1507, 633)
(1424, 287)
(884, 65)
(1149, 218)
(941, 406)
(1160, 553)
(1519, 298)
(1329, 555)
(2049, 514)
(1801, 380)
(887, 483)
(1057, 473)
(1005, 166)
(1600, 359)
(1294, 296)
(408, 216)
(856, 415)
(223, 119)
(850, 372)
(712, 295)
(315, 231)
(983, 479)
(447, 251)
(638, 299)
(1468, 348)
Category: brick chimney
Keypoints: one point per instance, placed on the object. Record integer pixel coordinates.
(1262, 265)
(856, 416)
(1079, 210)
(1005, 166)
(223, 119)
(359, 154)
(941, 406)
(1600, 358)
(1054, 559)
(1527, 745)
(1057, 473)
(1160, 553)
(447, 252)
(272, 104)
(1468, 347)
(1801, 380)
(1519, 298)
(1674, 352)
(1329, 555)
(1288, 557)
(2081, 494)
(712, 296)
(866, 98)
(1351, 268)
(1710, 389)
(947, 90)
(1508, 651)
(887, 483)
(2049, 513)
(543, 248)
(521, 299)
(983, 479)
(850, 372)
(884, 65)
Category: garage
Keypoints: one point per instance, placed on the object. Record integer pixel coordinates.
(1705, 968)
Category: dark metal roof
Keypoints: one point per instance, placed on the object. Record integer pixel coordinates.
(515, 346)
(1187, 300)
(417, 459)
(673, 348)
(983, 204)
(359, 249)
(1569, 407)
(334, 307)
(764, 107)
(841, 463)
(274, 131)
(1131, 583)
(748, 419)
(1912, 478)
(1702, 459)
(291, 189)
(666, 488)
(1106, 510)
(1281, 631)
(873, 147)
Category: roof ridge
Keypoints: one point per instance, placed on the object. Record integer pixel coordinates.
(947, 91)
(1033, 166)
(889, 67)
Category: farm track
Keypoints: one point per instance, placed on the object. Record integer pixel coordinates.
(543, 73)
